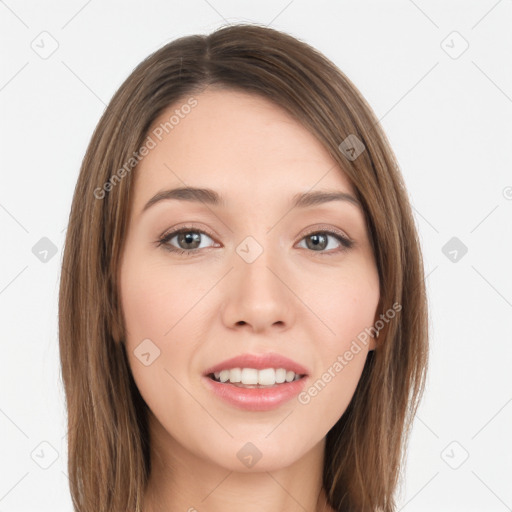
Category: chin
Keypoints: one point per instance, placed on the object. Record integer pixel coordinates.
(256, 455)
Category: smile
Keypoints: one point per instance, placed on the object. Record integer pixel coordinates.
(254, 377)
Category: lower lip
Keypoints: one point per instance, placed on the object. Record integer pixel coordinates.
(256, 399)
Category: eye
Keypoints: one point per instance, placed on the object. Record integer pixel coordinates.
(188, 240)
(318, 241)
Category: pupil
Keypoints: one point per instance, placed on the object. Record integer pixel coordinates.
(190, 238)
(317, 240)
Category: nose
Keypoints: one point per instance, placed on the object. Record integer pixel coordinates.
(258, 297)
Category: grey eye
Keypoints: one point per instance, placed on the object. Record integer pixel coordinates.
(319, 241)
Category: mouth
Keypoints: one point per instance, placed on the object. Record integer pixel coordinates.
(254, 378)
(256, 382)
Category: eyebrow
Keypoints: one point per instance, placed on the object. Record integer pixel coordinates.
(211, 197)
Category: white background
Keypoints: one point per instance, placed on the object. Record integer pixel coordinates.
(448, 120)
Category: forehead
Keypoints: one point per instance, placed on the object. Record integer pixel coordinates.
(236, 142)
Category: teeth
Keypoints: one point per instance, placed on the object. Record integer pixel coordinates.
(251, 376)
(235, 375)
(289, 376)
(267, 377)
(280, 375)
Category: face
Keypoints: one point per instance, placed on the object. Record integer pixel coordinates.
(252, 274)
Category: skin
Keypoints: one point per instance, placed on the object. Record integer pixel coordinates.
(307, 304)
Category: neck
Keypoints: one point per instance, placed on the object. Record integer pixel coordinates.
(183, 481)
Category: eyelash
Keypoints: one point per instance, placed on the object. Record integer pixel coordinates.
(345, 242)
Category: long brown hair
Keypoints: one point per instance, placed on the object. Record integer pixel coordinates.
(108, 450)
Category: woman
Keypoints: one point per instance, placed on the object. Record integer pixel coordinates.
(242, 313)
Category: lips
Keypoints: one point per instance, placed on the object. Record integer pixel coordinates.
(256, 398)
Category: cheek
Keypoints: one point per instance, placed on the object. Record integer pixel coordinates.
(347, 308)
(155, 303)
(348, 311)
(164, 305)
(154, 299)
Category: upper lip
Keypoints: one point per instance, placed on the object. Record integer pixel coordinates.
(259, 362)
